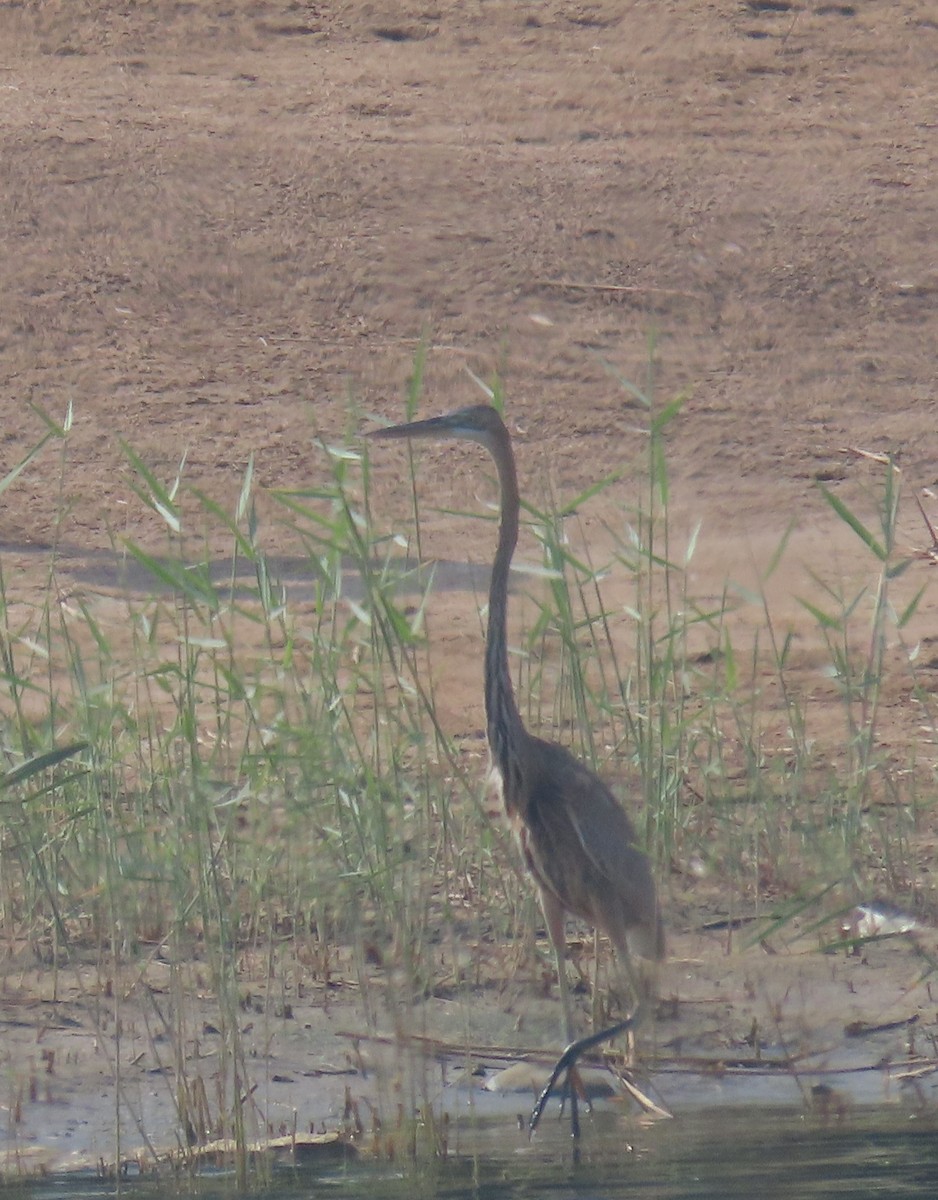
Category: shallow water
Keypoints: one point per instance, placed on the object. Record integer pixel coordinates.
(719, 1153)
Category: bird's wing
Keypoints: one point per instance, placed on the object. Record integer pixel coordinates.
(588, 851)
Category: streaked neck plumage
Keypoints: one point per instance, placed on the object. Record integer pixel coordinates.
(506, 733)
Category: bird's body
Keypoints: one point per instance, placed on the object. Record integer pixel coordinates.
(580, 847)
(576, 839)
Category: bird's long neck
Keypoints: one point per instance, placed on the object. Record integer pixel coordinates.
(505, 730)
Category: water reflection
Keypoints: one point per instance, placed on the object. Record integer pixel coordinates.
(707, 1155)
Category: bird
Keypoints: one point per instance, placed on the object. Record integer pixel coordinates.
(576, 839)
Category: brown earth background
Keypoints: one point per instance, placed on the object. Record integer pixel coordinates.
(227, 227)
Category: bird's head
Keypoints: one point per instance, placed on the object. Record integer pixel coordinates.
(478, 423)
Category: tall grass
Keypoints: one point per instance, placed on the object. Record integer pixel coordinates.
(248, 776)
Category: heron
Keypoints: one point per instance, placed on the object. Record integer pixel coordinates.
(576, 840)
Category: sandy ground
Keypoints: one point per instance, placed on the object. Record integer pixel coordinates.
(226, 227)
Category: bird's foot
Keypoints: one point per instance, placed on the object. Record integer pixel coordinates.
(572, 1086)
(572, 1089)
(566, 1066)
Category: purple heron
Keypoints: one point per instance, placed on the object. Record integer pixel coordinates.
(576, 839)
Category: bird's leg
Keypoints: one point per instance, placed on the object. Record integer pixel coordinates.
(554, 918)
(571, 1083)
(556, 931)
(566, 1064)
(638, 986)
(627, 972)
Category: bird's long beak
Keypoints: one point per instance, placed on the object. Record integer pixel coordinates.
(432, 427)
